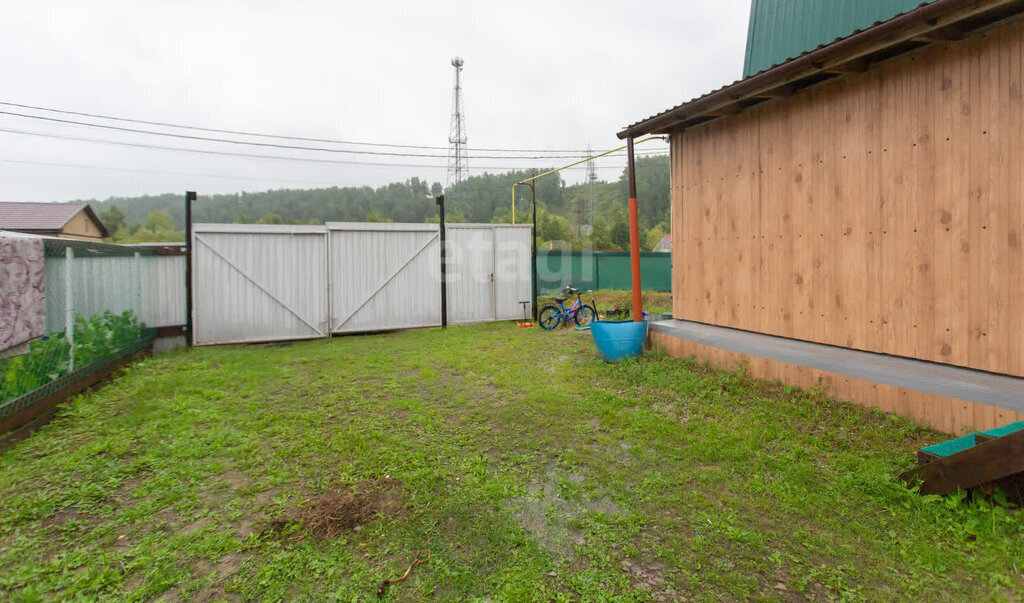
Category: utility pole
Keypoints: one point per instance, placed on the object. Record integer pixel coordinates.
(457, 159)
(592, 179)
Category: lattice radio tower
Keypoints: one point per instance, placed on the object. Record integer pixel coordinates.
(592, 179)
(458, 165)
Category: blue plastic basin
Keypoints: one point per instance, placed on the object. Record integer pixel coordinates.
(618, 339)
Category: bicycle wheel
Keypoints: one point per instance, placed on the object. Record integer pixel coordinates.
(585, 316)
(549, 317)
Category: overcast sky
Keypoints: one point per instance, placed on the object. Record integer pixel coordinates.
(538, 75)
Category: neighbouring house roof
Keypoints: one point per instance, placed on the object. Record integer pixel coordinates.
(664, 243)
(941, 20)
(44, 218)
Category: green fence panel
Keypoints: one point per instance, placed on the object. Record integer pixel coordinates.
(615, 271)
(601, 270)
(556, 269)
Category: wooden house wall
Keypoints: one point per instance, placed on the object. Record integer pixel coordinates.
(883, 211)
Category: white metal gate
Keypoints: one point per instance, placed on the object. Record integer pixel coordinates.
(384, 276)
(258, 283)
(488, 271)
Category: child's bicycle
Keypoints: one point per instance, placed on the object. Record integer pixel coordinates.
(579, 313)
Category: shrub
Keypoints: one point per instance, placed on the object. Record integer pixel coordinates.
(97, 337)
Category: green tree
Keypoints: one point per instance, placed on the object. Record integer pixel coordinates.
(600, 237)
(158, 221)
(113, 219)
(652, 189)
(552, 227)
(270, 218)
(620, 233)
(479, 198)
(653, 236)
(450, 217)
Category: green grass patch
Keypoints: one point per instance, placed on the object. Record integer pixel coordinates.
(529, 469)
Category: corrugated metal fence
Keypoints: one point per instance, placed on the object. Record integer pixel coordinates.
(152, 286)
(384, 276)
(258, 283)
(272, 282)
(488, 271)
(601, 270)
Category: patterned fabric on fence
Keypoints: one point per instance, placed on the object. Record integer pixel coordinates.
(22, 284)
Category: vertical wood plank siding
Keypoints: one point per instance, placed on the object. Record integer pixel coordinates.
(882, 212)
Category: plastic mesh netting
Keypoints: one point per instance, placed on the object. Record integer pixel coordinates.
(69, 308)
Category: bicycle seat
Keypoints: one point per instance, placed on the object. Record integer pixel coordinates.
(560, 299)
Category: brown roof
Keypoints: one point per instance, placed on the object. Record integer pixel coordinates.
(941, 20)
(44, 218)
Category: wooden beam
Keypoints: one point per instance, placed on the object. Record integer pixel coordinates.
(984, 463)
(950, 33)
(981, 438)
(726, 110)
(855, 66)
(778, 92)
(686, 125)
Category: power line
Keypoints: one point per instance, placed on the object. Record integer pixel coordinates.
(268, 144)
(198, 175)
(191, 175)
(278, 136)
(256, 156)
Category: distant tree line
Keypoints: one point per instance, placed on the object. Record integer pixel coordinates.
(563, 211)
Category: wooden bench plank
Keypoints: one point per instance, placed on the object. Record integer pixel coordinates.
(986, 462)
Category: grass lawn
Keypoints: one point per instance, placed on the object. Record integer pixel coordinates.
(528, 468)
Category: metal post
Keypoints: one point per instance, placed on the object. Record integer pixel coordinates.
(190, 196)
(69, 307)
(634, 236)
(328, 327)
(533, 192)
(444, 282)
(138, 285)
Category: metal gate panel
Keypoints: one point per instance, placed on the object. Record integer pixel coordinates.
(384, 276)
(488, 271)
(470, 273)
(256, 283)
(512, 274)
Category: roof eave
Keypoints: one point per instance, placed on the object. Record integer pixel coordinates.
(931, 22)
(34, 231)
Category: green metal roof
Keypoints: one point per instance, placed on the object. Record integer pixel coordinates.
(783, 29)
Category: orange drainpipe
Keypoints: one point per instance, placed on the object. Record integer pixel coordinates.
(634, 235)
